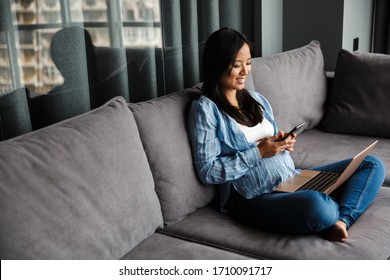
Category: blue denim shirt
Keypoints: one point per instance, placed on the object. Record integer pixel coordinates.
(223, 156)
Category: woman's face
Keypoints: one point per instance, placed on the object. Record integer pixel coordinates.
(234, 77)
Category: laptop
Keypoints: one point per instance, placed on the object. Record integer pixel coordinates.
(322, 181)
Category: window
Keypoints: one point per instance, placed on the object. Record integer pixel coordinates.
(121, 23)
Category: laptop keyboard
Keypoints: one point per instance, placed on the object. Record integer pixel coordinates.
(320, 182)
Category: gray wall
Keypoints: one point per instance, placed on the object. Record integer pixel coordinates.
(334, 23)
(321, 20)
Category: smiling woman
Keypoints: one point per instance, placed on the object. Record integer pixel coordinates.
(237, 145)
(226, 65)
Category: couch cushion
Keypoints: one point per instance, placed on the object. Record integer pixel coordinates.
(294, 83)
(80, 189)
(164, 247)
(369, 236)
(316, 148)
(162, 126)
(360, 99)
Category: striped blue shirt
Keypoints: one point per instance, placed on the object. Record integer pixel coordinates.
(223, 156)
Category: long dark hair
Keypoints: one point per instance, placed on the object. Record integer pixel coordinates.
(219, 54)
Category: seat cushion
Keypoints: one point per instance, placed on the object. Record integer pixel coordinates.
(164, 247)
(79, 189)
(294, 82)
(360, 99)
(316, 148)
(162, 126)
(369, 236)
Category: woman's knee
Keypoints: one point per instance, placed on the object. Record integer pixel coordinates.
(377, 171)
(321, 211)
(375, 163)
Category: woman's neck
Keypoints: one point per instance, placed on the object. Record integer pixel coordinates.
(231, 96)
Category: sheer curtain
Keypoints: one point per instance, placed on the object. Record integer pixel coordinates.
(59, 59)
(381, 31)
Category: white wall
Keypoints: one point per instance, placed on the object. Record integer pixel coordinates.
(357, 24)
(272, 27)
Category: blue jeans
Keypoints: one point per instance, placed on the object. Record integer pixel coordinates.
(311, 211)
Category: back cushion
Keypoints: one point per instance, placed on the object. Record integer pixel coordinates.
(162, 126)
(80, 189)
(360, 98)
(294, 82)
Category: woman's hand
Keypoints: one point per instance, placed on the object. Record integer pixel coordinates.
(268, 147)
(289, 140)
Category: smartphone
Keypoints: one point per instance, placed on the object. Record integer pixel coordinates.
(295, 129)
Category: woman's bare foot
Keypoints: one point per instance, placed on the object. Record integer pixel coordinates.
(337, 232)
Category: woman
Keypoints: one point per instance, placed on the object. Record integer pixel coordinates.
(234, 141)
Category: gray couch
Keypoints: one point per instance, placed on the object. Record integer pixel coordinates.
(119, 183)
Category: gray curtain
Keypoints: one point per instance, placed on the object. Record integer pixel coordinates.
(14, 111)
(186, 26)
(381, 31)
(93, 75)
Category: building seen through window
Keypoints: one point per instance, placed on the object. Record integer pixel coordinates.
(35, 22)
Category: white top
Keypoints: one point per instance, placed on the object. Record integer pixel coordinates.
(257, 132)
